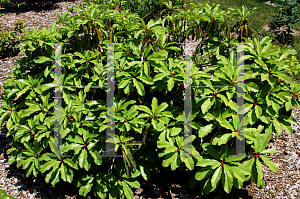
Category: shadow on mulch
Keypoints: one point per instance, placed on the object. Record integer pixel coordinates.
(30, 5)
(162, 184)
(10, 54)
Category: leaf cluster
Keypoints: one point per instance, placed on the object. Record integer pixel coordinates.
(9, 38)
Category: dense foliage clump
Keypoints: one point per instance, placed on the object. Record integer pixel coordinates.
(150, 80)
(283, 21)
(9, 38)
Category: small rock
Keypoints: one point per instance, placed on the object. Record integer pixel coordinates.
(138, 191)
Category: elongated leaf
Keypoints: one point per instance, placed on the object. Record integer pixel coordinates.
(132, 182)
(203, 131)
(224, 139)
(170, 149)
(139, 87)
(160, 55)
(189, 163)
(206, 162)
(269, 163)
(163, 144)
(146, 80)
(161, 107)
(211, 151)
(260, 180)
(145, 109)
(264, 140)
(216, 177)
(145, 172)
(154, 104)
(48, 165)
(42, 59)
(30, 110)
(227, 179)
(269, 151)
(203, 173)
(170, 84)
(128, 192)
(258, 111)
(175, 131)
(207, 104)
(159, 76)
(223, 122)
(171, 157)
(124, 83)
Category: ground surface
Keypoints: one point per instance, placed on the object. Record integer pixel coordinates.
(284, 184)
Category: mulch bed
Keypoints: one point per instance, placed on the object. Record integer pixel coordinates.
(283, 184)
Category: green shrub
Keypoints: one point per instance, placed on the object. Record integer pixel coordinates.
(149, 98)
(9, 40)
(242, 27)
(284, 19)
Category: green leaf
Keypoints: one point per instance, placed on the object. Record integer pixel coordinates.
(207, 104)
(270, 52)
(170, 84)
(170, 149)
(139, 87)
(146, 80)
(159, 55)
(224, 138)
(224, 123)
(154, 105)
(211, 151)
(283, 77)
(227, 179)
(4, 195)
(234, 158)
(260, 180)
(42, 59)
(203, 131)
(145, 172)
(169, 158)
(163, 144)
(145, 109)
(268, 151)
(216, 177)
(269, 163)
(48, 165)
(288, 105)
(203, 173)
(258, 111)
(159, 76)
(30, 110)
(206, 162)
(124, 83)
(175, 131)
(83, 158)
(132, 182)
(261, 63)
(251, 86)
(277, 127)
(239, 177)
(161, 108)
(189, 162)
(192, 182)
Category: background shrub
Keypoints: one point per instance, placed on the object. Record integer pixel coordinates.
(284, 19)
(9, 38)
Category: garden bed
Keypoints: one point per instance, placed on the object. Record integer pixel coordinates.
(283, 184)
